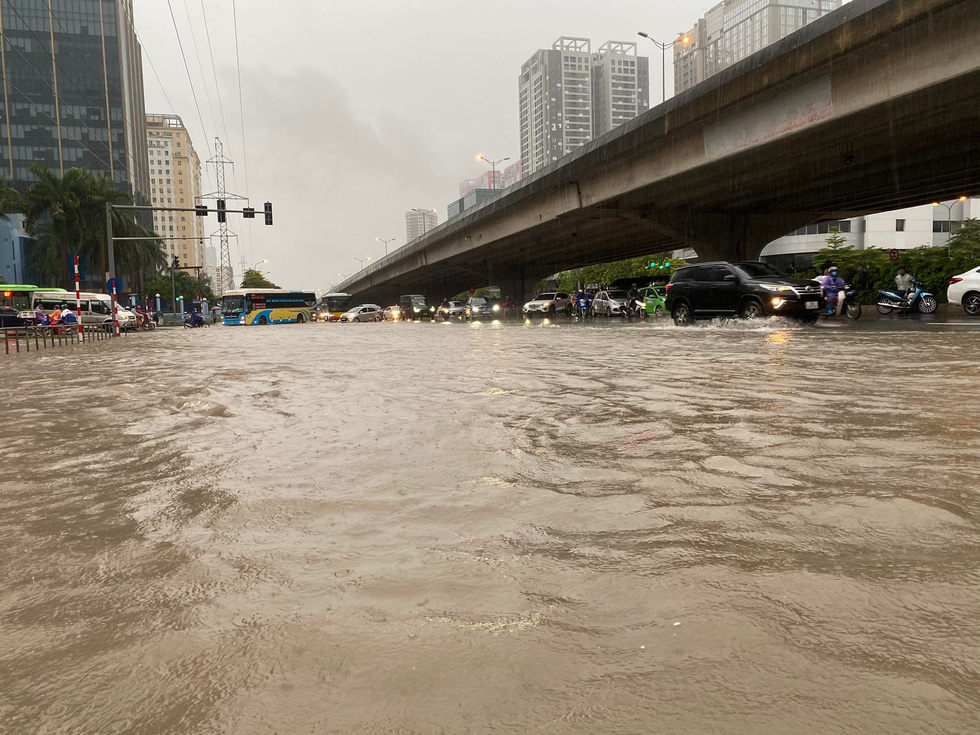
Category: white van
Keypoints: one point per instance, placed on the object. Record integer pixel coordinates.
(96, 307)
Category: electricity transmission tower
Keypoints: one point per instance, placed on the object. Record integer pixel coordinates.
(219, 162)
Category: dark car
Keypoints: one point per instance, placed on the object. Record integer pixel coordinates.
(11, 318)
(748, 290)
(415, 306)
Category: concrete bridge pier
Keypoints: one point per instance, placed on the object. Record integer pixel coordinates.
(729, 236)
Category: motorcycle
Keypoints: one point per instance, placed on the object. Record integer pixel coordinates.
(851, 307)
(194, 321)
(145, 323)
(889, 301)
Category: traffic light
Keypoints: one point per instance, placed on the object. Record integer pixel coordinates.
(176, 262)
(222, 217)
(268, 213)
(248, 213)
(202, 210)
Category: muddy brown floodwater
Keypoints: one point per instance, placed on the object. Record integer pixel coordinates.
(468, 529)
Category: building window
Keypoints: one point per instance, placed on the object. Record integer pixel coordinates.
(940, 226)
(899, 225)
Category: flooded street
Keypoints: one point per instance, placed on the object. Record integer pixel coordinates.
(414, 528)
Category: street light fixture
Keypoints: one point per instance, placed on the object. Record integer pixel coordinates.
(949, 216)
(683, 40)
(362, 261)
(493, 166)
(261, 262)
(424, 212)
(381, 239)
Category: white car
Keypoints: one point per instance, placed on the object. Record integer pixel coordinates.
(610, 303)
(455, 310)
(392, 314)
(964, 290)
(126, 318)
(363, 313)
(547, 304)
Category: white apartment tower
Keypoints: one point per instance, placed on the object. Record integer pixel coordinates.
(736, 29)
(620, 85)
(419, 222)
(568, 96)
(175, 181)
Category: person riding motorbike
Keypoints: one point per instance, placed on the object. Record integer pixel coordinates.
(197, 319)
(833, 286)
(904, 283)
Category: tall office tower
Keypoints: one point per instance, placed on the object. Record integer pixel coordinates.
(418, 223)
(620, 85)
(736, 29)
(175, 181)
(73, 91)
(555, 102)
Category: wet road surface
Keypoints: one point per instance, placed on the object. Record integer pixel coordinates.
(418, 528)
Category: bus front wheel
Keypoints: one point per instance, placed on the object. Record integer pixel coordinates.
(263, 320)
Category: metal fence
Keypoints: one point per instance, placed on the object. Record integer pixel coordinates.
(24, 339)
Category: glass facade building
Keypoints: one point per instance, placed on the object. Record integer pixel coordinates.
(73, 91)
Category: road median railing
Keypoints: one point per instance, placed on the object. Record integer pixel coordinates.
(26, 339)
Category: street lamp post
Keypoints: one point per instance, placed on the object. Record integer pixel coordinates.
(362, 261)
(381, 239)
(423, 212)
(685, 40)
(949, 216)
(493, 167)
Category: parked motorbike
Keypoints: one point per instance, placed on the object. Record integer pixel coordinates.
(919, 299)
(851, 307)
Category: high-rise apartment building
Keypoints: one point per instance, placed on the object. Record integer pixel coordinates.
(620, 85)
(175, 181)
(568, 96)
(73, 91)
(417, 223)
(736, 29)
(512, 174)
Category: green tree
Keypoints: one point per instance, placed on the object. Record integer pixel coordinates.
(186, 285)
(966, 237)
(256, 279)
(836, 240)
(10, 200)
(605, 273)
(870, 270)
(66, 214)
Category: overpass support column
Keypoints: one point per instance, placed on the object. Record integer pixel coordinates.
(729, 236)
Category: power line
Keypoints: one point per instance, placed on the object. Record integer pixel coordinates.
(214, 70)
(163, 89)
(200, 66)
(183, 56)
(241, 104)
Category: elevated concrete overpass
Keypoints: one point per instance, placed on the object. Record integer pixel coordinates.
(873, 107)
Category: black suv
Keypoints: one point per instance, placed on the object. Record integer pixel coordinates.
(415, 306)
(748, 290)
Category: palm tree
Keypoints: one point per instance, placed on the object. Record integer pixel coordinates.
(67, 214)
(10, 200)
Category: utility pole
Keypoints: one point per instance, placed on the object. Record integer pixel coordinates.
(219, 162)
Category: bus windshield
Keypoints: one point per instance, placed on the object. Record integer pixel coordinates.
(232, 306)
(341, 303)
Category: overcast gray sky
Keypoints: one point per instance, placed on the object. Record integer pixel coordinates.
(358, 111)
